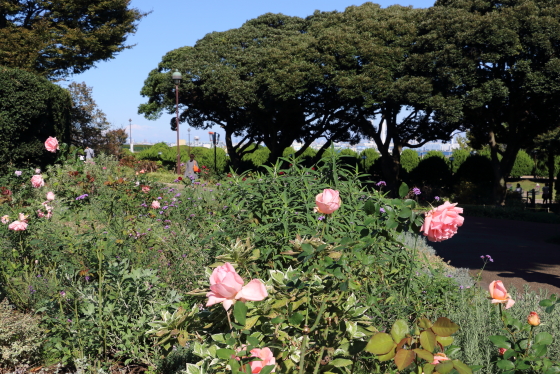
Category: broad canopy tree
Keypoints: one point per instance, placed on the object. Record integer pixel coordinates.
(63, 37)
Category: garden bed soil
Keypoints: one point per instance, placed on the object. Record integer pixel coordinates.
(519, 249)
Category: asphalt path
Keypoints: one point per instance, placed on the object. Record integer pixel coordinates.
(521, 255)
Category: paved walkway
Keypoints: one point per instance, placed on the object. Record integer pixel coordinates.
(518, 248)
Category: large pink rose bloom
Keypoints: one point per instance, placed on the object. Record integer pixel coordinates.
(226, 286)
(51, 144)
(50, 196)
(327, 201)
(441, 223)
(265, 355)
(37, 181)
(18, 226)
(499, 294)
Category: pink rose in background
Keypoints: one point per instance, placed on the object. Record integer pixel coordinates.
(226, 286)
(37, 181)
(5, 219)
(265, 355)
(42, 214)
(51, 144)
(499, 294)
(37, 171)
(155, 204)
(50, 196)
(145, 189)
(439, 357)
(441, 223)
(22, 217)
(18, 226)
(327, 201)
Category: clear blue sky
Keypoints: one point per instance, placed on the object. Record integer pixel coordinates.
(172, 24)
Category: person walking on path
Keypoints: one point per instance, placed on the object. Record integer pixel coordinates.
(89, 153)
(545, 194)
(191, 168)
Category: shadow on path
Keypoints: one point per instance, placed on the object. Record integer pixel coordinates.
(521, 255)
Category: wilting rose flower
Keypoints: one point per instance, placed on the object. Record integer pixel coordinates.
(5, 219)
(226, 286)
(502, 351)
(327, 201)
(42, 214)
(50, 196)
(499, 295)
(265, 355)
(18, 226)
(533, 319)
(37, 181)
(145, 189)
(51, 144)
(155, 204)
(441, 223)
(438, 357)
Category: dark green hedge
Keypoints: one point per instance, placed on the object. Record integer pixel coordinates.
(31, 109)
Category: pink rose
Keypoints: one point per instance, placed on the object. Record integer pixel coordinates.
(37, 181)
(328, 201)
(50, 196)
(18, 226)
(441, 223)
(265, 355)
(42, 214)
(5, 219)
(499, 295)
(226, 286)
(145, 189)
(438, 357)
(155, 204)
(51, 144)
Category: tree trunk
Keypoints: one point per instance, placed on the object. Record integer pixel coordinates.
(551, 173)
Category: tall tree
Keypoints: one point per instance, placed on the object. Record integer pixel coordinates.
(89, 123)
(62, 37)
(549, 143)
(371, 54)
(507, 55)
(113, 142)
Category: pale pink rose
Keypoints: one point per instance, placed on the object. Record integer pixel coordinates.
(37, 181)
(265, 355)
(42, 214)
(441, 223)
(142, 171)
(499, 295)
(155, 204)
(327, 201)
(5, 219)
(18, 226)
(145, 189)
(50, 196)
(37, 171)
(51, 144)
(438, 357)
(226, 286)
(104, 168)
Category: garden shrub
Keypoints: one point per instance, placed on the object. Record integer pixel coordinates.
(523, 165)
(409, 159)
(371, 155)
(20, 337)
(31, 110)
(432, 172)
(473, 180)
(459, 157)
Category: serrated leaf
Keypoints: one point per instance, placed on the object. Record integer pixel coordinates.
(540, 349)
(399, 330)
(404, 358)
(424, 354)
(444, 327)
(543, 338)
(461, 367)
(428, 340)
(380, 344)
(500, 341)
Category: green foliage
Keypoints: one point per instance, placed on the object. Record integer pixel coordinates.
(409, 159)
(431, 171)
(21, 337)
(434, 153)
(459, 157)
(523, 165)
(257, 158)
(31, 110)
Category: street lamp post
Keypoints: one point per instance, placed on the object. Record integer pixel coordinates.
(189, 131)
(131, 147)
(177, 80)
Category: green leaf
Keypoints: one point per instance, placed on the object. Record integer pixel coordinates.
(369, 207)
(424, 355)
(405, 213)
(399, 330)
(425, 323)
(380, 344)
(444, 327)
(428, 340)
(476, 367)
(341, 362)
(253, 341)
(403, 190)
(505, 365)
(553, 370)
(428, 368)
(461, 367)
(546, 302)
(296, 318)
(543, 338)
(500, 341)
(445, 340)
(267, 369)
(388, 356)
(224, 353)
(240, 312)
(540, 349)
(404, 358)
(444, 367)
